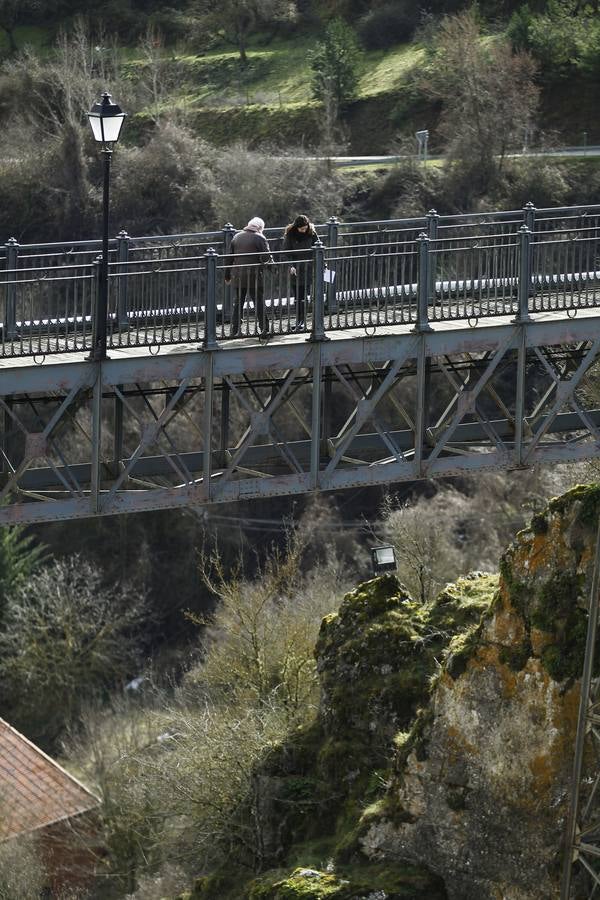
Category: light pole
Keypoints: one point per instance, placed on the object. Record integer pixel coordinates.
(106, 120)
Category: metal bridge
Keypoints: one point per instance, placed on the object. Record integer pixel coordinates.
(433, 346)
(440, 345)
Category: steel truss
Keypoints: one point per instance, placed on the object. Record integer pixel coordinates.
(83, 438)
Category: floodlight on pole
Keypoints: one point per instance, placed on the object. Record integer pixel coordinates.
(383, 559)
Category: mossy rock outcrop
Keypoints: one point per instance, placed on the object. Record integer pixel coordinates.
(482, 779)
(370, 883)
(377, 658)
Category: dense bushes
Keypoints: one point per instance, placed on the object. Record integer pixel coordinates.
(388, 23)
(165, 185)
(565, 38)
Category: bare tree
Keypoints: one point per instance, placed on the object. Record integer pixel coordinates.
(154, 78)
(60, 90)
(67, 637)
(487, 92)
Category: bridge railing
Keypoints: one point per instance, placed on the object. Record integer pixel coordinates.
(47, 311)
(377, 286)
(167, 291)
(159, 302)
(333, 233)
(565, 270)
(473, 277)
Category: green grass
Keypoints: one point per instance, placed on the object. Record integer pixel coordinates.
(25, 36)
(278, 75)
(386, 70)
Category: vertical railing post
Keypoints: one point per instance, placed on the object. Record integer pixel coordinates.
(432, 233)
(123, 281)
(524, 283)
(423, 285)
(318, 317)
(529, 211)
(332, 241)
(228, 233)
(12, 261)
(210, 310)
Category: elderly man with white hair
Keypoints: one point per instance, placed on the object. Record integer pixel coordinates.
(244, 267)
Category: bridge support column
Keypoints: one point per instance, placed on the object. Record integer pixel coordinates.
(207, 425)
(225, 391)
(118, 427)
(520, 395)
(96, 457)
(316, 418)
(6, 429)
(423, 372)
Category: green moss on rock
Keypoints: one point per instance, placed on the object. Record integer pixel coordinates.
(545, 576)
(588, 495)
(350, 883)
(377, 655)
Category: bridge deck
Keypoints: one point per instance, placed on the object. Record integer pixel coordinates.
(254, 343)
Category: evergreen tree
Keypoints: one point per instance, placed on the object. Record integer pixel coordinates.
(335, 64)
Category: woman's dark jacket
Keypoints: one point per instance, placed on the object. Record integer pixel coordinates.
(294, 240)
(299, 248)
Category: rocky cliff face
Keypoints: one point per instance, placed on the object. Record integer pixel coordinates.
(440, 762)
(483, 787)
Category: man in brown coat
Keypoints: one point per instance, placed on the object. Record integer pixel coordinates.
(244, 266)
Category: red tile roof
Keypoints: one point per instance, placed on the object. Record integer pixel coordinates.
(34, 790)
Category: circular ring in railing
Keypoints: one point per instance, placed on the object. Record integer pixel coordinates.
(39, 359)
(154, 348)
(571, 313)
(473, 321)
(370, 330)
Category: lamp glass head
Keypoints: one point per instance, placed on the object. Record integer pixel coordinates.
(106, 120)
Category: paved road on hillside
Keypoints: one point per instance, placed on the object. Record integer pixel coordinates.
(342, 161)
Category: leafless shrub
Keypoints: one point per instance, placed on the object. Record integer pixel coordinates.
(22, 874)
(274, 187)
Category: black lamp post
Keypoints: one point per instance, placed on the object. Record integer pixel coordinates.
(106, 119)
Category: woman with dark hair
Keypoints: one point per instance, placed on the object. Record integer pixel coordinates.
(298, 240)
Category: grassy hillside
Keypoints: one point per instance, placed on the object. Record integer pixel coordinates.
(270, 99)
